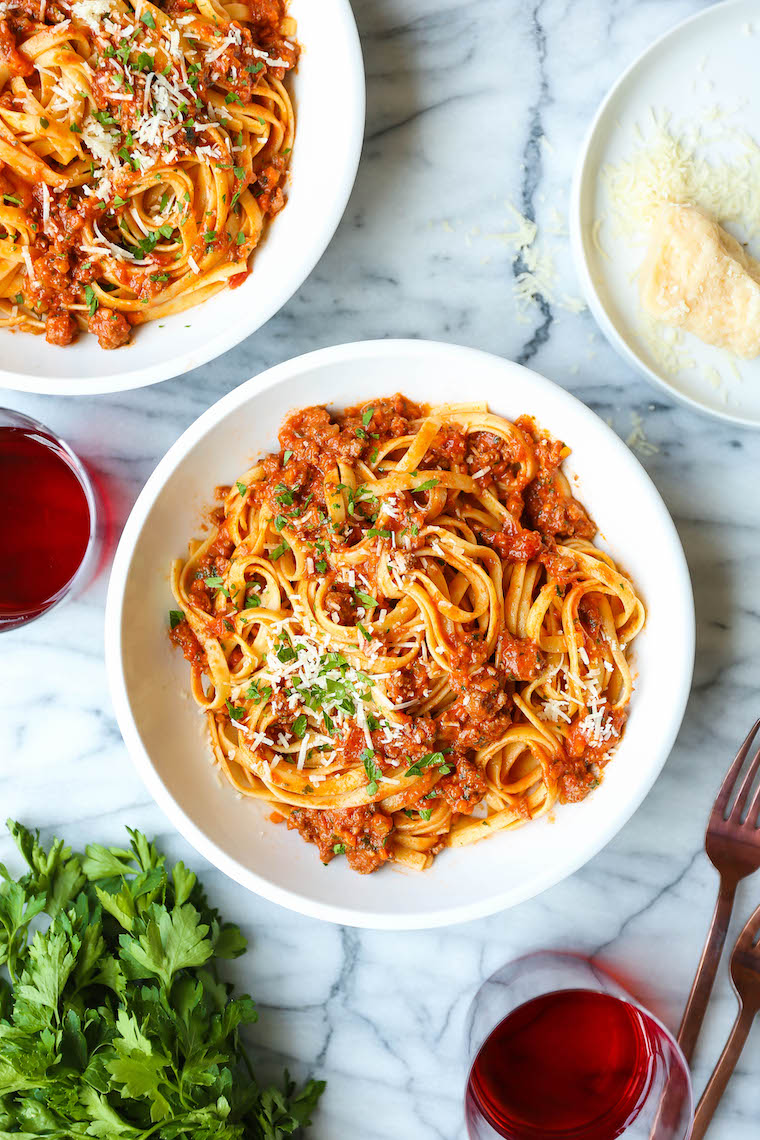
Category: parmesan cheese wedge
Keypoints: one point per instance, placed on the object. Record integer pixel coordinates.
(697, 277)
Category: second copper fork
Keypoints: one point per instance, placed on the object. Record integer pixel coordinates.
(732, 844)
(745, 976)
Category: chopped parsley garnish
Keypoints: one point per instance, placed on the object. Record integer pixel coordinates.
(235, 712)
(431, 760)
(12, 199)
(365, 599)
(214, 582)
(148, 20)
(258, 693)
(367, 416)
(286, 455)
(241, 488)
(284, 494)
(44, 123)
(339, 849)
(300, 724)
(426, 486)
(371, 768)
(279, 550)
(91, 299)
(175, 617)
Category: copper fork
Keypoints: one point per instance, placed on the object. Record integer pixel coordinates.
(745, 976)
(732, 844)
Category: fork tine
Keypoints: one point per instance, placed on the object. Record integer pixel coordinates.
(753, 811)
(746, 787)
(721, 800)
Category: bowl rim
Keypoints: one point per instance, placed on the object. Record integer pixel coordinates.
(236, 332)
(578, 191)
(255, 388)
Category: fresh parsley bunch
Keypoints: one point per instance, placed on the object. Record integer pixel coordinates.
(113, 1019)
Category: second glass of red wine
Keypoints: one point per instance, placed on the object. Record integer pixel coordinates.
(47, 520)
(559, 1050)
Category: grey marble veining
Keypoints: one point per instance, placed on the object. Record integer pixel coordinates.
(460, 101)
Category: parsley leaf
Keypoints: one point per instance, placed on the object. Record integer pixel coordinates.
(374, 772)
(91, 299)
(175, 617)
(431, 760)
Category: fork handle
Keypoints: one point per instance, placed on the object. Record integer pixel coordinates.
(721, 1074)
(696, 1006)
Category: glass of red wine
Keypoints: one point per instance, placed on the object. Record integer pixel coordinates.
(561, 1051)
(47, 520)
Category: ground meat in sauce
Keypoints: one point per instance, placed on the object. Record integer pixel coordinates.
(112, 329)
(464, 789)
(312, 435)
(417, 737)
(340, 603)
(363, 831)
(518, 658)
(10, 56)
(554, 512)
(513, 543)
(480, 713)
(185, 639)
(408, 684)
(60, 328)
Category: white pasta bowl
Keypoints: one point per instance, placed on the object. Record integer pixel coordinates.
(329, 102)
(165, 733)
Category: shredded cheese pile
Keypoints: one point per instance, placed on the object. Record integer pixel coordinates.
(670, 164)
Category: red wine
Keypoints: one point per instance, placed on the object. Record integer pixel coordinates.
(44, 523)
(575, 1064)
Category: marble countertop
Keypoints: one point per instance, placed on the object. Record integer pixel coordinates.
(470, 107)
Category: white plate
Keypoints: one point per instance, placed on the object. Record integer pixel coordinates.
(328, 93)
(710, 59)
(166, 735)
